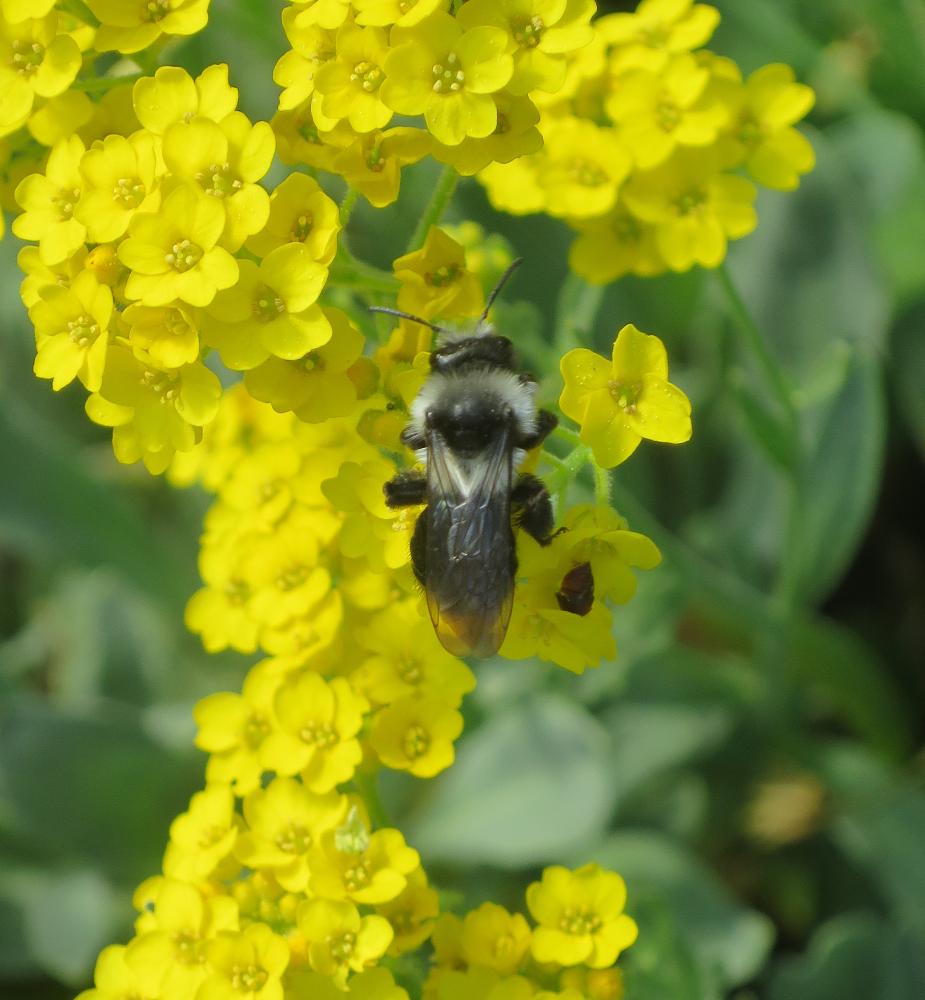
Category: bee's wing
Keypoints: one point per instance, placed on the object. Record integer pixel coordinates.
(469, 562)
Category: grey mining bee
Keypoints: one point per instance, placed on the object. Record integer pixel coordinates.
(471, 426)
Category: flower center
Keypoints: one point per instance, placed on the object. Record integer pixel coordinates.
(750, 131)
(219, 180)
(294, 840)
(248, 978)
(654, 35)
(356, 877)
(586, 173)
(416, 742)
(255, 730)
(448, 78)
(83, 330)
(309, 132)
(578, 920)
(184, 255)
(410, 672)
(443, 276)
(527, 33)
(237, 592)
(367, 76)
(690, 201)
(302, 227)
(27, 56)
(187, 948)
(668, 115)
(267, 305)
(342, 946)
(211, 835)
(292, 576)
(312, 362)
(626, 229)
(153, 11)
(319, 734)
(165, 387)
(129, 192)
(625, 394)
(66, 200)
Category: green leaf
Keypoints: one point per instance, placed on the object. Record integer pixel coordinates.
(526, 786)
(728, 941)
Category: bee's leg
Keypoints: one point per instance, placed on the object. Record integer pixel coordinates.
(545, 424)
(411, 438)
(419, 546)
(533, 508)
(407, 489)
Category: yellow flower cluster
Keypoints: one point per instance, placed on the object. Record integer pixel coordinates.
(47, 52)
(645, 142)
(469, 73)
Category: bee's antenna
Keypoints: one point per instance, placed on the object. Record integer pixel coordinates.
(404, 315)
(502, 281)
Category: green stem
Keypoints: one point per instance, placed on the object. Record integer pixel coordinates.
(102, 84)
(567, 434)
(78, 9)
(347, 205)
(601, 485)
(368, 787)
(348, 271)
(443, 194)
(578, 307)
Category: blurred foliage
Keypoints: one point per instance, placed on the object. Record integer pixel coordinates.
(752, 761)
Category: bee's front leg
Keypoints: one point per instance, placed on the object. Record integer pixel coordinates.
(545, 424)
(407, 489)
(533, 508)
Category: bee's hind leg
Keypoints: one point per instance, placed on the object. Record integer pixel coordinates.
(407, 489)
(545, 424)
(533, 508)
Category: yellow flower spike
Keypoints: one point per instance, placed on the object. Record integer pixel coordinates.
(613, 245)
(541, 32)
(694, 206)
(495, 939)
(448, 75)
(172, 939)
(349, 84)
(119, 180)
(316, 386)
(174, 253)
(375, 875)
(372, 162)
(248, 963)
(312, 47)
(35, 61)
(130, 27)
(619, 403)
(270, 310)
(202, 839)
(300, 212)
(48, 201)
(416, 735)
(412, 913)
(340, 940)
(435, 280)
(580, 917)
(115, 979)
(285, 822)
(172, 95)
(319, 722)
(72, 332)
(656, 30)
(232, 728)
(405, 14)
(166, 336)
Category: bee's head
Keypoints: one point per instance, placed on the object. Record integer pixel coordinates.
(485, 350)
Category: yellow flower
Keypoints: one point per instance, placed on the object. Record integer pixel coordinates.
(621, 402)
(771, 101)
(340, 940)
(580, 916)
(225, 160)
(115, 979)
(39, 275)
(248, 964)
(35, 61)
(657, 112)
(232, 728)
(515, 135)
(315, 386)
(447, 75)
(656, 30)
(319, 722)
(219, 613)
(376, 874)
(416, 735)
(372, 162)
(171, 95)
(582, 168)
(412, 913)
(404, 13)
(154, 412)
(312, 47)
(119, 179)
(349, 84)
(285, 822)
(613, 245)
(515, 187)
(131, 25)
(164, 335)
(48, 201)
(174, 253)
(72, 332)
(173, 935)
(270, 310)
(495, 939)
(435, 280)
(202, 839)
(694, 206)
(301, 139)
(541, 32)
(300, 212)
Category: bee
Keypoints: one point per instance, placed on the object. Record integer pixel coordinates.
(471, 426)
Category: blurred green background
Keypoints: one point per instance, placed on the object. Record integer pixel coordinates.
(756, 773)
